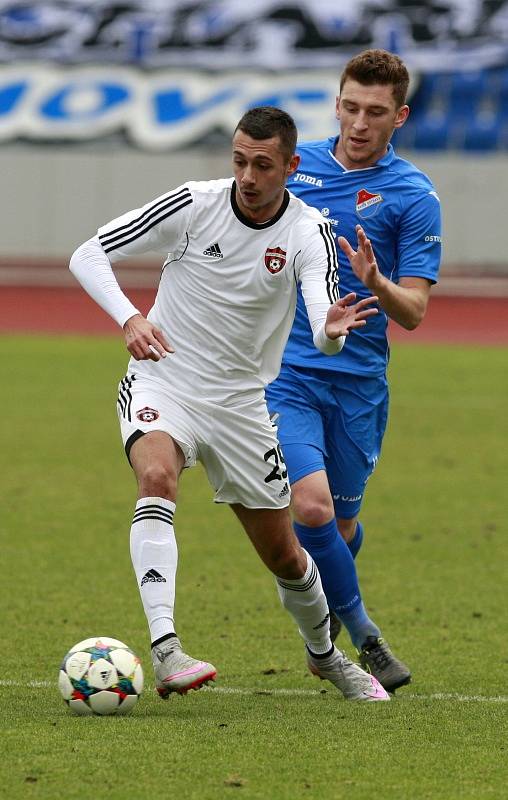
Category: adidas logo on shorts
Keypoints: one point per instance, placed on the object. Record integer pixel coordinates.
(284, 491)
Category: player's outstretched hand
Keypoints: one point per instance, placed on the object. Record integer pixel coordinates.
(145, 341)
(363, 261)
(345, 314)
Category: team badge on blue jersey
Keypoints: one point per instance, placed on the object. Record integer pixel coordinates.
(367, 203)
(275, 259)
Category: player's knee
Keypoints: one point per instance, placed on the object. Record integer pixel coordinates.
(312, 510)
(158, 479)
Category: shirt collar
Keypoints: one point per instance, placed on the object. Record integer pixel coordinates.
(385, 161)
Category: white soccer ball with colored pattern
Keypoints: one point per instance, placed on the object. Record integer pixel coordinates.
(101, 676)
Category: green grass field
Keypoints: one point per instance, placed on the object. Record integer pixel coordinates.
(433, 573)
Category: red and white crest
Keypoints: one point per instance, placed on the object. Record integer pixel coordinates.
(275, 259)
(147, 414)
(367, 203)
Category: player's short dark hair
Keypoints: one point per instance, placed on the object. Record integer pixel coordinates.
(266, 122)
(379, 67)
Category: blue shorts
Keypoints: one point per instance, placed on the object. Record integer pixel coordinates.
(332, 421)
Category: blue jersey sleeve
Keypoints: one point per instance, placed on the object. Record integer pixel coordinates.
(419, 239)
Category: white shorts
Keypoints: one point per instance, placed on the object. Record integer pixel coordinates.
(237, 445)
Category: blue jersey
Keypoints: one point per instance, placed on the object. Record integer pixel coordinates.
(399, 210)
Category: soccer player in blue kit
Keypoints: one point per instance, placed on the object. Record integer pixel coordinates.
(330, 412)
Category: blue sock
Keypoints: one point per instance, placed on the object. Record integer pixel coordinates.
(357, 540)
(338, 576)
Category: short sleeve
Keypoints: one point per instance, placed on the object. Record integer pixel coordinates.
(419, 240)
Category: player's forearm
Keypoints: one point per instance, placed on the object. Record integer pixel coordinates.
(92, 268)
(327, 346)
(316, 313)
(406, 305)
(317, 302)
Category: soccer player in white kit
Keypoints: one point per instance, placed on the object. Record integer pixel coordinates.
(234, 250)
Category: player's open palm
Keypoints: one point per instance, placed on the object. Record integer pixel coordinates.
(363, 261)
(145, 341)
(345, 315)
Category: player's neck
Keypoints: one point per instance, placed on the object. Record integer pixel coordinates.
(263, 214)
(341, 156)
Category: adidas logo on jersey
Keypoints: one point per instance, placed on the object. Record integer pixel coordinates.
(152, 576)
(214, 251)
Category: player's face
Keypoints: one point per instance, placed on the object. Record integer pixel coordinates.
(368, 116)
(261, 171)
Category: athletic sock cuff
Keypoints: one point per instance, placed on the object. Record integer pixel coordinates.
(316, 538)
(162, 639)
(304, 583)
(169, 505)
(152, 511)
(321, 655)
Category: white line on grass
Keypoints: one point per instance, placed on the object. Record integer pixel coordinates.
(460, 698)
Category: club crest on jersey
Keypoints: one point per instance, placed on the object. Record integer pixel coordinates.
(147, 414)
(367, 203)
(275, 259)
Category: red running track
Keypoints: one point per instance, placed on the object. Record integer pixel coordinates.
(452, 320)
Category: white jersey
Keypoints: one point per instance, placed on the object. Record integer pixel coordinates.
(227, 294)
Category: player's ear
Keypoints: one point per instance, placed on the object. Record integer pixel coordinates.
(401, 116)
(337, 111)
(294, 162)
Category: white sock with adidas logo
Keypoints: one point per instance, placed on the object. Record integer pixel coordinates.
(154, 555)
(305, 600)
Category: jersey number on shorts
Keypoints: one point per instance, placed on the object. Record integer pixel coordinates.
(279, 471)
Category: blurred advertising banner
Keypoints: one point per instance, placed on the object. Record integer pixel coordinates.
(168, 74)
(231, 34)
(156, 110)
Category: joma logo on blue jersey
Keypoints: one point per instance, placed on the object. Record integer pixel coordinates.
(308, 179)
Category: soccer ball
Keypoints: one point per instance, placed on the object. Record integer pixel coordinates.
(100, 676)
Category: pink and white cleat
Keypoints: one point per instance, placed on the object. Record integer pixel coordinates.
(348, 677)
(175, 671)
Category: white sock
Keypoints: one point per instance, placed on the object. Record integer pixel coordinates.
(305, 600)
(154, 557)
